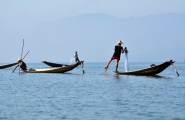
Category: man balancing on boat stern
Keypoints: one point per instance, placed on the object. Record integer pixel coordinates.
(117, 52)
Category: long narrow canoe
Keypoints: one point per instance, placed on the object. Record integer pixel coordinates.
(7, 65)
(54, 70)
(152, 70)
(54, 64)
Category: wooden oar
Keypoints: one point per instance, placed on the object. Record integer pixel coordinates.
(15, 68)
(19, 70)
(82, 62)
(25, 55)
(22, 49)
(175, 69)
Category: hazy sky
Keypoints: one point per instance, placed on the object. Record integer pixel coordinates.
(19, 16)
(30, 13)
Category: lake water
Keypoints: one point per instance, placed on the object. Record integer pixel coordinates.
(93, 95)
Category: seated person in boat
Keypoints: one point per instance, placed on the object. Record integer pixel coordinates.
(152, 65)
(22, 64)
(76, 57)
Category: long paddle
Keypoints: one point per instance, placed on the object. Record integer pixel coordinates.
(175, 69)
(25, 55)
(22, 49)
(15, 68)
(19, 70)
(82, 62)
(21, 56)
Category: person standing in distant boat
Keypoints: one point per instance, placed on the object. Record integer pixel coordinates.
(76, 57)
(117, 52)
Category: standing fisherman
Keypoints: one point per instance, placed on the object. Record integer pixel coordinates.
(76, 57)
(117, 52)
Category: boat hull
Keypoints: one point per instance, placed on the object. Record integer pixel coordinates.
(51, 64)
(54, 70)
(152, 70)
(7, 65)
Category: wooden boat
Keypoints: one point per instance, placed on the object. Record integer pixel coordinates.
(62, 69)
(7, 65)
(54, 64)
(152, 70)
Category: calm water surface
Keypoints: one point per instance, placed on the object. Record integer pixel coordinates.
(93, 95)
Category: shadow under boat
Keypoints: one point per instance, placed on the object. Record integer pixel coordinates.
(150, 76)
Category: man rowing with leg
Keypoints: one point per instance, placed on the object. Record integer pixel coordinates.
(117, 53)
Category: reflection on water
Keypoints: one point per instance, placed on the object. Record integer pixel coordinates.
(151, 76)
(117, 76)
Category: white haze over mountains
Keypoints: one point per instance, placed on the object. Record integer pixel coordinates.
(152, 38)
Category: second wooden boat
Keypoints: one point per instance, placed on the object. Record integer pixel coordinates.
(152, 70)
(62, 69)
(7, 65)
(54, 64)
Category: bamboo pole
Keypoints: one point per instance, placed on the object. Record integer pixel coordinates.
(25, 55)
(175, 69)
(15, 68)
(82, 62)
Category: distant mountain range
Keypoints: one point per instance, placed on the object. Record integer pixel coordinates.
(151, 38)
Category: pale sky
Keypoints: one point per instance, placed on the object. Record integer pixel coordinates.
(30, 13)
(18, 17)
